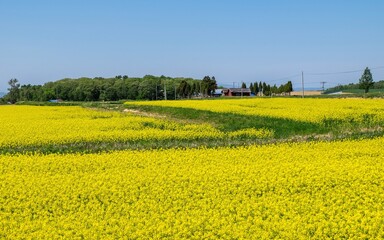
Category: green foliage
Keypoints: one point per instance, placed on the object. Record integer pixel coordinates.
(184, 89)
(289, 87)
(366, 80)
(255, 89)
(265, 89)
(107, 89)
(355, 88)
(251, 87)
(14, 91)
(208, 85)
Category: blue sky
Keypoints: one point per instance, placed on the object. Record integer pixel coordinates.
(235, 41)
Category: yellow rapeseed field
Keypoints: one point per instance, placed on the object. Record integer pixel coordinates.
(308, 109)
(288, 191)
(37, 126)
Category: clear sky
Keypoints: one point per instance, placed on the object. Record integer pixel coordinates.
(233, 40)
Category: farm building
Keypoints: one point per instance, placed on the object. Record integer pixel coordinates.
(236, 92)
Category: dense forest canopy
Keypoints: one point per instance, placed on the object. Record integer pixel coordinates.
(123, 87)
(111, 89)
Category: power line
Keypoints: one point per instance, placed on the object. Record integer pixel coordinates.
(334, 73)
(344, 72)
(295, 78)
(284, 78)
(380, 67)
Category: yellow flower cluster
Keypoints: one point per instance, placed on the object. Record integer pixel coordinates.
(287, 191)
(36, 126)
(308, 109)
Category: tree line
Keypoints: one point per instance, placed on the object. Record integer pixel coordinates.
(123, 87)
(264, 89)
(111, 89)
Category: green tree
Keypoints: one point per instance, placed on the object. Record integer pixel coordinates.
(243, 85)
(106, 89)
(289, 87)
(197, 88)
(26, 92)
(132, 91)
(14, 90)
(274, 89)
(208, 85)
(184, 90)
(147, 89)
(265, 89)
(193, 88)
(256, 88)
(366, 80)
(121, 89)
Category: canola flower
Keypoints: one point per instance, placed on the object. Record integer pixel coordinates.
(287, 191)
(38, 126)
(309, 109)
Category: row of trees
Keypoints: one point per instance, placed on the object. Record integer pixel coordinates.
(111, 89)
(122, 87)
(264, 89)
(147, 88)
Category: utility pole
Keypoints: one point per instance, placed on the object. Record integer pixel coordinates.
(165, 91)
(156, 92)
(322, 83)
(175, 91)
(302, 83)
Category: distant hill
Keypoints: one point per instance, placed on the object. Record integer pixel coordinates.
(354, 88)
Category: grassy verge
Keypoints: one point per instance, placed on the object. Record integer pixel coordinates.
(229, 122)
(283, 128)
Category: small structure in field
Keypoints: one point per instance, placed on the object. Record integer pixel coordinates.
(218, 93)
(238, 92)
(55, 100)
